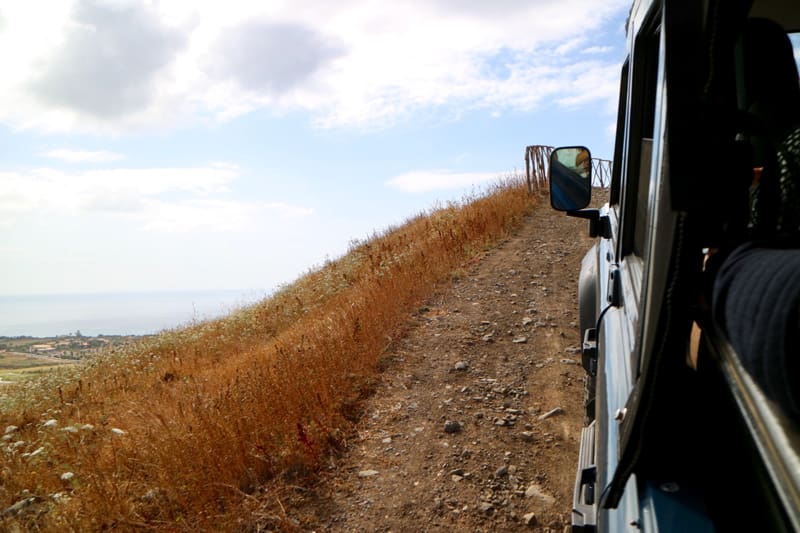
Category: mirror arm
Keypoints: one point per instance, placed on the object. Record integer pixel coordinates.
(599, 225)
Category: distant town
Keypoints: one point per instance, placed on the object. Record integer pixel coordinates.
(24, 357)
(73, 347)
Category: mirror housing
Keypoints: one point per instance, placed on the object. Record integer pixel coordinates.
(570, 177)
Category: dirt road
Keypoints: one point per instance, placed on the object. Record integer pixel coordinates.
(475, 422)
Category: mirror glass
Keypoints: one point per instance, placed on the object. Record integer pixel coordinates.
(570, 178)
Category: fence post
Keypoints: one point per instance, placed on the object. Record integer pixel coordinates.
(528, 170)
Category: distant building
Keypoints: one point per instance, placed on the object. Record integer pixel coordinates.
(42, 348)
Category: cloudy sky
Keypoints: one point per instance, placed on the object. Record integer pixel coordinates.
(173, 145)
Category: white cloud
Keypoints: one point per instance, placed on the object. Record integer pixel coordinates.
(597, 50)
(590, 82)
(114, 66)
(268, 57)
(160, 199)
(82, 156)
(570, 46)
(435, 180)
(108, 63)
(56, 191)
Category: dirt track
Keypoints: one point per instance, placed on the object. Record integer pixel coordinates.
(455, 437)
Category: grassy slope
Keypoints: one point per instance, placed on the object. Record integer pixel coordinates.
(181, 430)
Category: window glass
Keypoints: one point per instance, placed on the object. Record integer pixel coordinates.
(795, 38)
(639, 142)
(619, 143)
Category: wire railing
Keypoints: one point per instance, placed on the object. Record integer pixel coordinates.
(537, 160)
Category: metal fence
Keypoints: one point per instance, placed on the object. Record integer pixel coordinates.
(537, 159)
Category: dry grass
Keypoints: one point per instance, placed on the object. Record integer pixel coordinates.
(182, 431)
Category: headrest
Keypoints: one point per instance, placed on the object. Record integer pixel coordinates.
(771, 86)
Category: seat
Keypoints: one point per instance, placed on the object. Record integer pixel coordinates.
(769, 96)
(756, 294)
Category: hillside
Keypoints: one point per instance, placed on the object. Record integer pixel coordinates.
(428, 379)
(196, 427)
(496, 352)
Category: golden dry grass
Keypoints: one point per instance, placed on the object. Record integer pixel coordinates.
(182, 431)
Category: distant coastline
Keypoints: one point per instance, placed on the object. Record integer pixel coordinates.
(135, 313)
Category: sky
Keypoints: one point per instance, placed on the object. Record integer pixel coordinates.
(206, 145)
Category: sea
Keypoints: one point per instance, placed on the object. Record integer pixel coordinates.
(130, 313)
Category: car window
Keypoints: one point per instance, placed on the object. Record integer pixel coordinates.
(641, 119)
(619, 143)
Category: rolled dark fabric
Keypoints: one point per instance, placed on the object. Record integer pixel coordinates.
(756, 300)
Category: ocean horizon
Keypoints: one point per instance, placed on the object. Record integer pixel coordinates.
(123, 313)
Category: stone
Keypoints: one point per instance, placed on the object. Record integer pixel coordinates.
(501, 472)
(527, 320)
(568, 362)
(368, 473)
(10, 429)
(461, 366)
(529, 519)
(526, 436)
(536, 492)
(486, 508)
(452, 426)
(520, 340)
(551, 413)
(19, 506)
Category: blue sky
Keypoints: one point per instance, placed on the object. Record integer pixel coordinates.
(166, 145)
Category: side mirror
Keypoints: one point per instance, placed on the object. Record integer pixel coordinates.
(570, 176)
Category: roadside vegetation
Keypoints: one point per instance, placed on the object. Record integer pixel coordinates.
(187, 429)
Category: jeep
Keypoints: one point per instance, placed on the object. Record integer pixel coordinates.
(690, 298)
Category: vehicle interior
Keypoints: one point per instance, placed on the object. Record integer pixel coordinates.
(745, 395)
